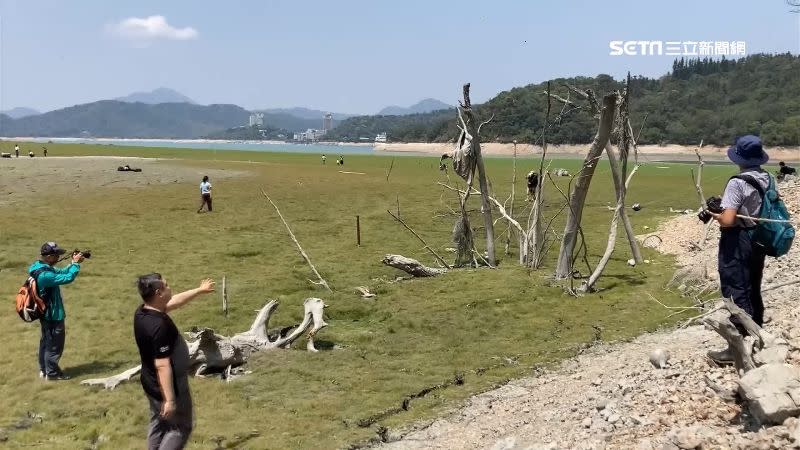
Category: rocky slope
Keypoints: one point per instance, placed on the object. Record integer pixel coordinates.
(611, 396)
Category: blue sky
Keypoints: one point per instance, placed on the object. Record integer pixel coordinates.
(348, 56)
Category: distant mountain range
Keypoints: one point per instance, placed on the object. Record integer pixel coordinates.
(16, 113)
(166, 113)
(111, 118)
(423, 106)
(156, 96)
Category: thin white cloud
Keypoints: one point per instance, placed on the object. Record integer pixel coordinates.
(149, 29)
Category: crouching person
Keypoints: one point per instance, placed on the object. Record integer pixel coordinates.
(165, 361)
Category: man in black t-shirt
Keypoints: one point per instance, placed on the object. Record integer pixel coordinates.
(165, 361)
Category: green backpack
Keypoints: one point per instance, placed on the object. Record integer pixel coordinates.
(774, 238)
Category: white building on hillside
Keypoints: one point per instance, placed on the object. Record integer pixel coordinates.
(310, 135)
(257, 119)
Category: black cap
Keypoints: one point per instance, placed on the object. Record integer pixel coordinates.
(51, 248)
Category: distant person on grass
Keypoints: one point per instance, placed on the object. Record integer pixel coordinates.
(45, 151)
(740, 263)
(205, 194)
(324, 159)
(165, 361)
(48, 279)
(16, 150)
(784, 170)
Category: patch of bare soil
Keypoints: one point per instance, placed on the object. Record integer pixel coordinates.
(612, 397)
(23, 178)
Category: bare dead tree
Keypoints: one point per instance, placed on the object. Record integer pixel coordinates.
(473, 128)
(581, 188)
(511, 197)
(626, 143)
(535, 244)
(612, 237)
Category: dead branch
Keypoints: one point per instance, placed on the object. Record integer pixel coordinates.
(698, 182)
(389, 172)
(780, 285)
(321, 281)
(411, 266)
(426, 246)
(484, 123)
(620, 188)
(364, 291)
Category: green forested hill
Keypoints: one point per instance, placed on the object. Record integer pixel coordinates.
(698, 99)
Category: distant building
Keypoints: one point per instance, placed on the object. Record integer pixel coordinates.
(380, 138)
(310, 135)
(327, 122)
(257, 119)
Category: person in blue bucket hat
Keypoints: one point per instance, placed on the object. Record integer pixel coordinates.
(740, 263)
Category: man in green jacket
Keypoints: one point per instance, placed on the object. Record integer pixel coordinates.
(48, 280)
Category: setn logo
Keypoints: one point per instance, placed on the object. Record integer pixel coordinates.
(634, 48)
(677, 48)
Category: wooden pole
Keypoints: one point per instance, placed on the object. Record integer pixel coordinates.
(358, 231)
(224, 296)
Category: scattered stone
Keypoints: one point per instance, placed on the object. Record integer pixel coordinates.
(772, 392)
(659, 358)
(686, 439)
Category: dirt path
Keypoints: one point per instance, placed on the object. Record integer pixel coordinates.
(22, 178)
(612, 397)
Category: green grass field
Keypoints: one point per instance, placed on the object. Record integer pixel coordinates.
(416, 334)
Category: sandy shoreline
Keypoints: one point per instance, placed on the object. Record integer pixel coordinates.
(655, 152)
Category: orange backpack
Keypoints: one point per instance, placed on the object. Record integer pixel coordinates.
(30, 306)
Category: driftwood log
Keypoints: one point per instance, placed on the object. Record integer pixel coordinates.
(411, 266)
(211, 353)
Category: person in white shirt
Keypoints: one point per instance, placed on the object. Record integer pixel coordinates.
(205, 193)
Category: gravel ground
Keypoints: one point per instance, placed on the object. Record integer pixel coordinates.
(611, 396)
(21, 178)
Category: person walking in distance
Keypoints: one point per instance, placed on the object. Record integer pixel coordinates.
(165, 361)
(16, 150)
(205, 194)
(324, 158)
(48, 280)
